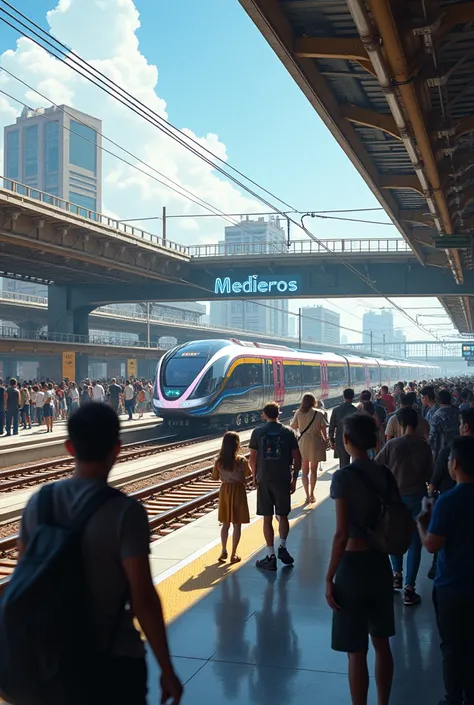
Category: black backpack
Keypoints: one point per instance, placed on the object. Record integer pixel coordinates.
(391, 529)
(47, 641)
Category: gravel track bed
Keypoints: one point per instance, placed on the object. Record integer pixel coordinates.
(161, 476)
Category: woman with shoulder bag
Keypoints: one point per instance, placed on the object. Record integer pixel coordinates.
(311, 424)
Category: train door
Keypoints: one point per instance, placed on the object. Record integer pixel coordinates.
(279, 381)
(268, 381)
(368, 383)
(324, 380)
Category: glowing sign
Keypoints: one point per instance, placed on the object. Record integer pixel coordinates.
(256, 284)
(468, 350)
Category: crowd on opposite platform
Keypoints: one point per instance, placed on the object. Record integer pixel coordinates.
(41, 403)
(404, 457)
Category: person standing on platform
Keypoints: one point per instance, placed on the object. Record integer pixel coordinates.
(129, 399)
(233, 470)
(2, 406)
(387, 400)
(428, 402)
(115, 550)
(48, 408)
(444, 423)
(312, 440)
(336, 435)
(39, 404)
(25, 405)
(73, 396)
(115, 391)
(410, 459)
(98, 392)
(447, 529)
(359, 585)
(393, 428)
(12, 407)
(275, 461)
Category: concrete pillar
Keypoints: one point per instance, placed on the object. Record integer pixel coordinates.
(10, 367)
(62, 317)
(82, 367)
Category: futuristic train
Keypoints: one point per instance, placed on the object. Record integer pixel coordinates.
(225, 383)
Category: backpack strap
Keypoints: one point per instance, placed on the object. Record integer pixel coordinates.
(46, 506)
(309, 425)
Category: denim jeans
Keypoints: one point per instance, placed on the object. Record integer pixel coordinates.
(413, 502)
(12, 416)
(2, 420)
(129, 404)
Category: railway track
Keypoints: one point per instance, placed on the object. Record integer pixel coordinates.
(49, 470)
(170, 505)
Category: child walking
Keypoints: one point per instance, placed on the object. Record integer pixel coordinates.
(233, 470)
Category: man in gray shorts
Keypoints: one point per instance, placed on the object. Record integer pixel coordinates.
(273, 453)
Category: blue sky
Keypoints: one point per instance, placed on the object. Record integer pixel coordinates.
(218, 77)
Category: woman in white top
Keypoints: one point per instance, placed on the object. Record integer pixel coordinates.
(311, 424)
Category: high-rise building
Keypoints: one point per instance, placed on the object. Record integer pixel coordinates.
(320, 325)
(378, 331)
(56, 150)
(266, 315)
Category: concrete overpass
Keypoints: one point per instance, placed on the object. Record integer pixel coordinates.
(392, 81)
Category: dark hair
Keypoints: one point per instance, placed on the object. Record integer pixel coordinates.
(368, 407)
(407, 417)
(229, 450)
(12, 382)
(308, 402)
(428, 392)
(366, 395)
(271, 410)
(466, 394)
(400, 385)
(94, 430)
(462, 449)
(384, 389)
(444, 396)
(408, 399)
(348, 393)
(467, 417)
(361, 430)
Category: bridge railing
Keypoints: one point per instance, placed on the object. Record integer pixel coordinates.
(16, 334)
(98, 218)
(302, 247)
(25, 298)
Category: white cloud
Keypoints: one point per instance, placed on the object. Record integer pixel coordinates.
(80, 25)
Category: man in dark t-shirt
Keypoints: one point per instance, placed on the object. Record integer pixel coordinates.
(275, 460)
(115, 391)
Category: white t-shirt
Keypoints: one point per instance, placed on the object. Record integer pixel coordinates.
(39, 400)
(74, 394)
(98, 393)
(128, 392)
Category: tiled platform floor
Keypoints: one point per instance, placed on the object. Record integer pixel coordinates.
(264, 639)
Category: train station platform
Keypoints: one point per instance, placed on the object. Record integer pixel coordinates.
(239, 635)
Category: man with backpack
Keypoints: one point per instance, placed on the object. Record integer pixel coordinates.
(67, 630)
(275, 460)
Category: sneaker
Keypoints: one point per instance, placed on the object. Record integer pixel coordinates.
(432, 571)
(397, 581)
(284, 556)
(410, 596)
(267, 563)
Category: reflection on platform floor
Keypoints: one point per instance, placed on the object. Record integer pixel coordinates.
(264, 638)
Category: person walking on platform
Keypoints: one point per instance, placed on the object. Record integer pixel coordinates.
(129, 399)
(444, 423)
(115, 390)
(336, 427)
(232, 469)
(12, 407)
(359, 577)
(115, 546)
(447, 529)
(275, 461)
(410, 459)
(3, 391)
(312, 440)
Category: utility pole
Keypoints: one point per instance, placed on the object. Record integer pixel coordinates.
(148, 323)
(371, 341)
(299, 328)
(163, 232)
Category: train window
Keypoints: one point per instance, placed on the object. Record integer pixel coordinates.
(246, 374)
(182, 371)
(292, 375)
(336, 375)
(212, 380)
(311, 375)
(374, 372)
(358, 374)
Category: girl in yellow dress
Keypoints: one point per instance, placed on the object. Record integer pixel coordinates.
(233, 470)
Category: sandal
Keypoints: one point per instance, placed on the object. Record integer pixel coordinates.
(223, 557)
(235, 559)
(312, 499)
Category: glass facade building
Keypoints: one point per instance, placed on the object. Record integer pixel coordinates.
(57, 150)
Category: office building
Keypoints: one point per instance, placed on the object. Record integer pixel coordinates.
(56, 150)
(264, 315)
(378, 330)
(320, 325)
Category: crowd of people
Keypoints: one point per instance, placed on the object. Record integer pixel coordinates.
(405, 482)
(31, 403)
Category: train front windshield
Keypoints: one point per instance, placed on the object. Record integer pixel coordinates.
(184, 364)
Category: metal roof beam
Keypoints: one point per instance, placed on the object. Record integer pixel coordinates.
(331, 48)
(370, 118)
(400, 181)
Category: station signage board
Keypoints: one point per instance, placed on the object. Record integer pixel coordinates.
(257, 284)
(131, 367)
(468, 351)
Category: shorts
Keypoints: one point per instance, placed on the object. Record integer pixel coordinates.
(273, 499)
(47, 410)
(364, 593)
